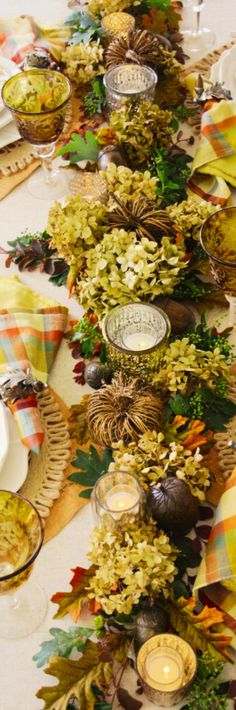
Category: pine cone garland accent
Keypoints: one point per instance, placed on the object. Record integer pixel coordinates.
(143, 217)
(138, 47)
(123, 410)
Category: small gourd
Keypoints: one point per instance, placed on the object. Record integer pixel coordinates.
(110, 154)
(181, 316)
(149, 622)
(172, 505)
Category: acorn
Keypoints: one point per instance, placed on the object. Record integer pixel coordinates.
(110, 154)
(97, 375)
(149, 622)
(171, 503)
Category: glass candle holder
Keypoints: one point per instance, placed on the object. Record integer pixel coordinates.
(136, 336)
(117, 499)
(166, 665)
(117, 24)
(91, 186)
(218, 240)
(129, 82)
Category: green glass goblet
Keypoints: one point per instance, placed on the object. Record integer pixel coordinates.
(22, 608)
(38, 100)
(218, 240)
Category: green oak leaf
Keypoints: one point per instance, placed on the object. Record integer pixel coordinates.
(91, 468)
(62, 643)
(80, 148)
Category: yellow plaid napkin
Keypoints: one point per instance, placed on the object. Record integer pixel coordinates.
(214, 164)
(216, 578)
(31, 329)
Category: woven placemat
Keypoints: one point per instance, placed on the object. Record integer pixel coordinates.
(47, 486)
(203, 66)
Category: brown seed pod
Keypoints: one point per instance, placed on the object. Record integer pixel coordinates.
(137, 47)
(123, 410)
(142, 216)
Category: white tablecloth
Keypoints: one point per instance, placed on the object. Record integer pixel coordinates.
(19, 676)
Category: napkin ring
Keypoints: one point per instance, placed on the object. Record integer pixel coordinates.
(18, 384)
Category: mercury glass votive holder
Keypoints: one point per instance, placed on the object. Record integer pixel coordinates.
(218, 240)
(91, 186)
(166, 666)
(117, 499)
(117, 24)
(129, 82)
(136, 335)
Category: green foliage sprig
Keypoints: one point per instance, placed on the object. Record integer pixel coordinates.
(95, 100)
(171, 167)
(207, 338)
(202, 695)
(34, 251)
(215, 410)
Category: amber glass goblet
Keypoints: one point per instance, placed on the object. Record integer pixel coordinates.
(21, 536)
(38, 100)
(218, 239)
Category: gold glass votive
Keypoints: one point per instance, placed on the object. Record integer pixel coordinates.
(218, 240)
(117, 499)
(117, 24)
(166, 665)
(91, 186)
(129, 82)
(136, 336)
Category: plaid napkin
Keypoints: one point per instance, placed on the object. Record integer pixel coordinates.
(20, 36)
(219, 562)
(214, 164)
(31, 329)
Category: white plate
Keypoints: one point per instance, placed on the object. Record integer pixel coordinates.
(5, 118)
(4, 434)
(15, 468)
(7, 69)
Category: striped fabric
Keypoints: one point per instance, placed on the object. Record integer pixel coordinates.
(216, 154)
(219, 562)
(21, 35)
(29, 338)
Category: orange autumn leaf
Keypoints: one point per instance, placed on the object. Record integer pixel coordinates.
(73, 601)
(199, 629)
(106, 136)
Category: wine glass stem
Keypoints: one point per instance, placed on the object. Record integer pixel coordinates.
(198, 13)
(45, 153)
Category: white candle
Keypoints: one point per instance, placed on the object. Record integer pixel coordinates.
(121, 498)
(164, 668)
(139, 341)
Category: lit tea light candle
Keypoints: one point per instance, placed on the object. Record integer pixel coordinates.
(121, 498)
(139, 341)
(164, 668)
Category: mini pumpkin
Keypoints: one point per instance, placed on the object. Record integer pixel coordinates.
(172, 505)
(123, 409)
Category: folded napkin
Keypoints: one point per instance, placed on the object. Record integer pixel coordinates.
(20, 36)
(31, 329)
(219, 561)
(216, 154)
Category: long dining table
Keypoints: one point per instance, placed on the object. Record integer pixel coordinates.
(19, 211)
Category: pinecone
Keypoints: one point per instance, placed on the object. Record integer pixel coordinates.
(138, 47)
(123, 410)
(143, 217)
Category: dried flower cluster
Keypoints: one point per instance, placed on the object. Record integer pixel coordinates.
(129, 565)
(152, 459)
(137, 128)
(184, 365)
(122, 268)
(74, 227)
(99, 8)
(127, 184)
(83, 61)
(189, 216)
